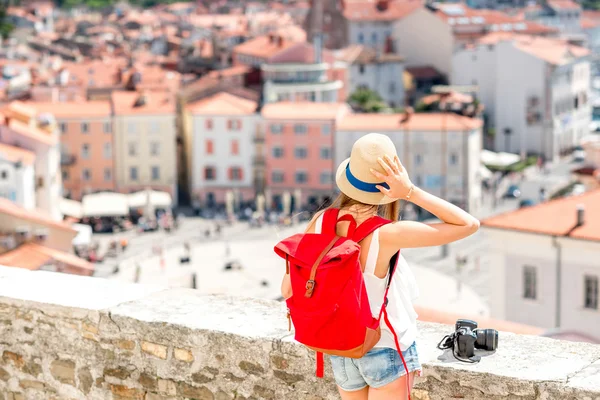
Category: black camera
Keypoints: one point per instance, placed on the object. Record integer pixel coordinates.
(466, 338)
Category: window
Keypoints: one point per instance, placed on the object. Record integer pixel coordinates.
(208, 146)
(85, 128)
(86, 174)
(277, 152)
(235, 147)
(361, 38)
(63, 127)
(132, 149)
(131, 127)
(361, 69)
(107, 174)
(85, 151)
(591, 292)
(133, 173)
(300, 152)
(276, 129)
(155, 173)
(235, 174)
(4, 175)
(153, 128)
(154, 148)
(374, 37)
(208, 124)
(107, 151)
(210, 174)
(300, 129)
(326, 178)
(325, 153)
(529, 282)
(453, 159)
(301, 177)
(107, 127)
(65, 176)
(277, 177)
(392, 87)
(326, 129)
(234, 124)
(418, 159)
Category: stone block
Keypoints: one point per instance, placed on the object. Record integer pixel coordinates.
(124, 344)
(279, 362)
(63, 371)
(166, 386)
(251, 368)
(27, 330)
(14, 358)
(122, 392)
(288, 378)
(156, 350)
(15, 396)
(89, 336)
(30, 384)
(32, 368)
(118, 372)
(147, 381)
(193, 392)
(183, 355)
(4, 375)
(263, 392)
(199, 377)
(85, 380)
(89, 328)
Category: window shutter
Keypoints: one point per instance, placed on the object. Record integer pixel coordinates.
(229, 124)
(229, 173)
(241, 176)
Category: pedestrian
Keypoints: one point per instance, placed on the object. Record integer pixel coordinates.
(542, 194)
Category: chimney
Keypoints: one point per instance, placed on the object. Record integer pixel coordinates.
(141, 100)
(271, 38)
(383, 5)
(580, 214)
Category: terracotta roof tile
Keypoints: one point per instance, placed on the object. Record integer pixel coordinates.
(33, 256)
(36, 216)
(380, 10)
(223, 104)
(304, 110)
(75, 110)
(433, 122)
(151, 103)
(557, 217)
(32, 132)
(263, 46)
(16, 154)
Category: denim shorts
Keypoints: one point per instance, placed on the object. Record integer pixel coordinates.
(376, 369)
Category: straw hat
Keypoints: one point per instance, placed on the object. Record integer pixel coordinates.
(354, 177)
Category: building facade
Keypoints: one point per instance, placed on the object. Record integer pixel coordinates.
(441, 152)
(17, 176)
(544, 109)
(299, 152)
(144, 141)
(222, 154)
(545, 266)
(86, 136)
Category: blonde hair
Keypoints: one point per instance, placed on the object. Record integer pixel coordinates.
(389, 211)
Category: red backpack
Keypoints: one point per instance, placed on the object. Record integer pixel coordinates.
(329, 306)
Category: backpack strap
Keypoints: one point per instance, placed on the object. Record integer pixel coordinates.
(368, 226)
(310, 284)
(330, 217)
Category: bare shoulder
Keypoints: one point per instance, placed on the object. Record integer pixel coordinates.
(313, 222)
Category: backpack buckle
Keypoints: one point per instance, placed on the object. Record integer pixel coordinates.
(310, 286)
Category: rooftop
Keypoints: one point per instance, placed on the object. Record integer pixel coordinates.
(554, 218)
(33, 256)
(263, 46)
(223, 104)
(304, 110)
(431, 122)
(16, 154)
(7, 207)
(358, 54)
(380, 10)
(143, 103)
(75, 110)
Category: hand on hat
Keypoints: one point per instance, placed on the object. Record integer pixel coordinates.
(396, 177)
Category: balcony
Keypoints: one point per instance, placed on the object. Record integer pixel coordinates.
(68, 159)
(96, 338)
(259, 161)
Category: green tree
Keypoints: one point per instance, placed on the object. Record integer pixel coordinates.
(5, 27)
(367, 100)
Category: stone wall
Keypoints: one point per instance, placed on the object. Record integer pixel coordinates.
(69, 337)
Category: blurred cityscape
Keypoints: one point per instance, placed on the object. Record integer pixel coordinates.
(175, 143)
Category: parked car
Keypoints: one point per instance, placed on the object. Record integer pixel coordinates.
(513, 192)
(526, 203)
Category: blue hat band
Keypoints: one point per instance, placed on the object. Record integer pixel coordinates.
(362, 185)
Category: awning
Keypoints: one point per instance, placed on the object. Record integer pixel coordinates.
(499, 159)
(157, 199)
(84, 235)
(485, 173)
(71, 208)
(105, 204)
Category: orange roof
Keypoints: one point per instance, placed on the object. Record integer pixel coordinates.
(557, 217)
(429, 315)
(304, 110)
(33, 256)
(16, 154)
(434, 122)
(36, 216)
(553, 51)
(380, 10)
(154, 103)
(232, 71)
(79, 110)
(589, 23)
(564, 4)
(263, 46)
(223, 104)
(31, 132)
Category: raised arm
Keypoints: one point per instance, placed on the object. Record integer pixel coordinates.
(457, 223)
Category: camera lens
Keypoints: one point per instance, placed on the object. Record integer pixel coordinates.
(487, 339)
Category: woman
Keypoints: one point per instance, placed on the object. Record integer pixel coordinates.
(373, 181)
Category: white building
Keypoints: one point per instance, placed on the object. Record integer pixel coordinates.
(535, 91)
(545, 265)
(37, 133)
(17, 176)
(564, 15)
(221, 154)
(381, 72)
(441, 152)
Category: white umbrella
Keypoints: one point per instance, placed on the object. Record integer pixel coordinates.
(260, 205)
(297, 200)
(268, 199)
(287, 203)
(229, 203)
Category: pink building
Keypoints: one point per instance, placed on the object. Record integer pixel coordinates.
(299, 151)
(86, 145)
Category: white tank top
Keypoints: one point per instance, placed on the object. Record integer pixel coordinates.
(403, 291)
